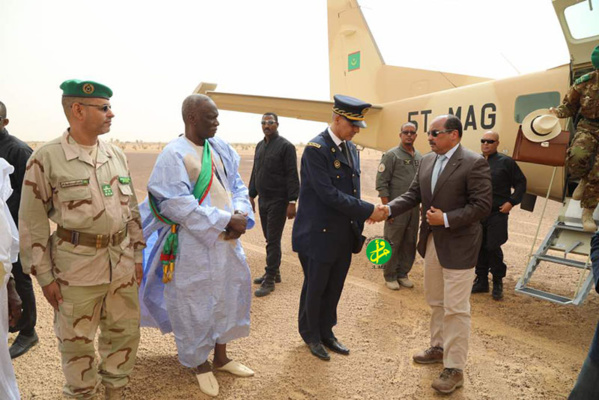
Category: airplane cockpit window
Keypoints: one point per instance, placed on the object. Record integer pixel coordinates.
(528, 103)
(583, 19)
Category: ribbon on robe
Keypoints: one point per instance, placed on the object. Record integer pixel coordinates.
(200, 191)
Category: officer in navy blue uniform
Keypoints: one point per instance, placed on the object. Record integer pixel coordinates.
(329, 222)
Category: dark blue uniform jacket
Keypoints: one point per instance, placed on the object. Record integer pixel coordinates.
(330, 216)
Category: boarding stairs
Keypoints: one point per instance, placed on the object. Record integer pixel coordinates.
(572, 244)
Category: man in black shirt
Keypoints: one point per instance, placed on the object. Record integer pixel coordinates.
(505, 175)
(276, 182)
(17, 152)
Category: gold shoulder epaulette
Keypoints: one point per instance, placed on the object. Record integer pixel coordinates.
(314, 145)
(583, 79)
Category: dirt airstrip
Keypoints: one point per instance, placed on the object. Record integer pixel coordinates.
(520, 348)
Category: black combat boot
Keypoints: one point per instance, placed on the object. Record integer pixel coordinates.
(497, 288)
(268, 285)
(481, 284)
(259, 280)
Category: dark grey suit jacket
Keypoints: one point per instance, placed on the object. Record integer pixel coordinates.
(464, 192)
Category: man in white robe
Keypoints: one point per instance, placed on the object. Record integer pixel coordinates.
(10, 304)
(207, 302)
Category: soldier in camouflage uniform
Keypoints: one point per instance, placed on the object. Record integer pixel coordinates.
(90, 267)
(583, 98)
(395, 174)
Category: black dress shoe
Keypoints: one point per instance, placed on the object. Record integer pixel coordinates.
(319, 351)
(22, 344)
(334, 345)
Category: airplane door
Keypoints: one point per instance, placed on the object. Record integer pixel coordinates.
(579, 20)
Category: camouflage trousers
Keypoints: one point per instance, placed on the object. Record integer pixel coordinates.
(114, 308)
(581, 160)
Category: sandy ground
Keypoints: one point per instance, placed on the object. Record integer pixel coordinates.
(520, 348)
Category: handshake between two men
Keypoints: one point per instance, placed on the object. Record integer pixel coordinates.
(434, 216)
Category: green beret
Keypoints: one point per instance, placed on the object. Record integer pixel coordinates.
(77, 88)
(595, 57)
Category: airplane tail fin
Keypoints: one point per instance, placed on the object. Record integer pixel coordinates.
(357, 68)
(354, 58)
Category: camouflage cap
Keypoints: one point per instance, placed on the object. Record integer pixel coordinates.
(595, 57)
(77, 88)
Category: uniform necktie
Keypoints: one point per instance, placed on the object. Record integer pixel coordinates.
(345, 152)
(437, 171)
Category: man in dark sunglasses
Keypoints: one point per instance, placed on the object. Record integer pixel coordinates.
(395, 174)
(90, 277)
(275, 181)
(454, 186)
(505, 175)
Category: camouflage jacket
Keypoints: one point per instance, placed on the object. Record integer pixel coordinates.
(583, 96)
(63, 185)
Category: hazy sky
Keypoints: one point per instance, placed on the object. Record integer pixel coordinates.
(154, 53)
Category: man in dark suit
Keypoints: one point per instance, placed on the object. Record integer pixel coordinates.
(454, 186)
(329, 223)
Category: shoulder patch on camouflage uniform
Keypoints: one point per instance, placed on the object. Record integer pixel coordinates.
(312, 144)
(381, 167)
(583, 79)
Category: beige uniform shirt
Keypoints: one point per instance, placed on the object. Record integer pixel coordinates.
(65, 185)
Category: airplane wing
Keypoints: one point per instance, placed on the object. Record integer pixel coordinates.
(312, 110)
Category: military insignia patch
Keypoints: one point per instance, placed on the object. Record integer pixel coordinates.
(332, 149)
(381, 167)
(312, 144)
(583, 79)
(337, 164)
(107, 190)
(77, 182)
(88, 88)
(416, 162)
(407, 162)
(124, 179)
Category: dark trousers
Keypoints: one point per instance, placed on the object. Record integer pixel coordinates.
(587, 384)
(490, 257)
(323, 284)
(24, 288)
(273, 213)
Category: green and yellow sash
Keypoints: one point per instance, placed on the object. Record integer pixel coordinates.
(200, 191)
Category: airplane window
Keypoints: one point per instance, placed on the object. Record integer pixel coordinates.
(528, 103)
(582, 19)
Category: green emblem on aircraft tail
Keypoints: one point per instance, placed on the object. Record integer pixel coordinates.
(353, 61)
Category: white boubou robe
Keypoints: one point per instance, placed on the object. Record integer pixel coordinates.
(9, 250)
(208, 300)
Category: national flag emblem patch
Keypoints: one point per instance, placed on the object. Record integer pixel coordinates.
(353, 61)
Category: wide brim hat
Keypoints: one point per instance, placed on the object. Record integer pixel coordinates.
(541, 126)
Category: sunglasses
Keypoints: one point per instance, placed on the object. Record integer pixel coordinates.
(487, 141)
(437, 133)
(271, 122)
(408, 132)
(104, 108)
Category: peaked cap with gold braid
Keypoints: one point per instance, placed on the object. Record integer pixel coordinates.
(351, 108)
